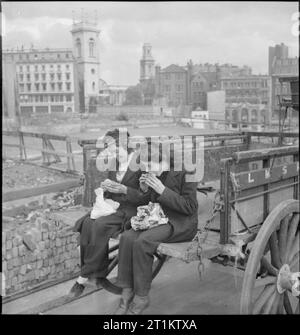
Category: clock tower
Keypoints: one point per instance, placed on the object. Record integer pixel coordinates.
(85, 36)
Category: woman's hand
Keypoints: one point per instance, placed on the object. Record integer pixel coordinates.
(155, 183)
(116, 188)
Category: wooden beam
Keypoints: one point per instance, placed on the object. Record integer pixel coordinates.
(260, 154)
(30, 192)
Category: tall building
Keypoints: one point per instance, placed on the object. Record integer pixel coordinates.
(172, 83)
(248, 98)
(85, 36)
(42, 81)
(147, 70)
(280, 65)
(279, 51)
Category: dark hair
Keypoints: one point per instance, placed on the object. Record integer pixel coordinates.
(115, 134)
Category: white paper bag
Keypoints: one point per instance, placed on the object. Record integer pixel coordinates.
(103, 207)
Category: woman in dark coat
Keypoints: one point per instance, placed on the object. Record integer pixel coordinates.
(95, 234)
(178, 199)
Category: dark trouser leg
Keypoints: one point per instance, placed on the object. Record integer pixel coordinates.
(136, 257)
(143, 249)
(125, 266)
(94, 243)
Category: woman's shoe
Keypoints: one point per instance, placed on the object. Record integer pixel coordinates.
(138, 305)
(76, 290)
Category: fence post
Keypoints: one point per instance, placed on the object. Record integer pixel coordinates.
(68, 157)
(20, 144)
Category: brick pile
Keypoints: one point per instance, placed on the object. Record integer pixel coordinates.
(37, 251)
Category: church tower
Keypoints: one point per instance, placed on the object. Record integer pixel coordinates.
(85, 35)
(146, 64)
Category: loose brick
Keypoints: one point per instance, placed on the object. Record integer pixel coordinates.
(8, 244)
(28, 241)
(15, 252)
(9, 264)
(39, 264)
(14, 281)
(8, 255)
(23, 269)
(16, 262)
(21, 250)
(17, 241)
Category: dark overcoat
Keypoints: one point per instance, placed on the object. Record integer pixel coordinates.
(179, 203)
(128, 202)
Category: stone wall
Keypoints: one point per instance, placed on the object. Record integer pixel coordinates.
(37, 251)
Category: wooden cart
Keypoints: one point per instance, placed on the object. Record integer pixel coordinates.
(250, 219)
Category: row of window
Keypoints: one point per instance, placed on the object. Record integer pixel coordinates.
(247, 93)
(91, 47)
(46, 98)
(178, 88)
(263, 83)
(43, 67)
(27, 56)
(44, 87)
(43, 76)
(178, 76)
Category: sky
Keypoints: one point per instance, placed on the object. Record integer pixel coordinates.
(215, 32)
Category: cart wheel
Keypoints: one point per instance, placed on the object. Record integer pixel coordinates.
(110, 284)
(270, 280)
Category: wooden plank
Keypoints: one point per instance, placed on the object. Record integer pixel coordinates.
(271, 134)
(259, 177)
(30, 192)
(260, 154)
(11, 145)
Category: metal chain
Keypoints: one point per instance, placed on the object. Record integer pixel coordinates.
(217, 207)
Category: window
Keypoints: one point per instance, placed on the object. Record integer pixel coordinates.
(28, 77)
(27, 56)
(67, 55)
(59, 86)
(58, 67)
(52, 76)
(43, 67)
(36, 98)
(44, 76)
(59, 76)
(93, 71)
(44, 85)
(67, 67)
(91, 47)
(21, 87)
(52, 98)
(61, 98)
(28, 68)
(68, 76)
(28, 87)
(41, 98)
(52, 86)
(78, 47)
(93, 86)
(21, 76)
(20, 57)
(35, 56)
(167, 88)
(37, 87)
(36, 68)
(68, 86)
(58, 56)
(68, 97)
(167, 76)
(21, 68)
(36, 77)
